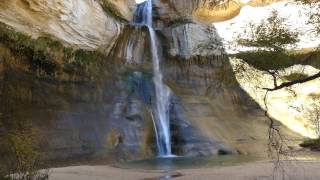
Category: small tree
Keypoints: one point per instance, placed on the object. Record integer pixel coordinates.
(272, 34)
(22, 159)
(314, 113)
(314, 14)
(314, 18)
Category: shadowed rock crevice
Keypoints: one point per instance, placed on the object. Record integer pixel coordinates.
(187, 140)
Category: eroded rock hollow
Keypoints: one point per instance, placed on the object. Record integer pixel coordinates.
(78, 73)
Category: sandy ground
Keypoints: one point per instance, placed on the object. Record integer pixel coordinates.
(298, 170)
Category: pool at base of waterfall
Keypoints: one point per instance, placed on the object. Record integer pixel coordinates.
(180, 162)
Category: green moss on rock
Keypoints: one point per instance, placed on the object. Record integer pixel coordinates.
(265, 60)
(47, 56)
(86, 57)
(40, 52)
(295, 76)
(313, 144)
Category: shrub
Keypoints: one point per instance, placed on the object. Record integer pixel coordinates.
(23, 158)
(85, 57)
(313, 144)
(265, 60)
(272, 34)
(44, 54)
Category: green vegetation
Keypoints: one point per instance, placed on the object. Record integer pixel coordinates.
(313, 144)
(22, 159)
(84, 57)
(112, 10)
(265, 60)
(315, 20)
(295, 76)
(271, 34)
(40, 52)
(45, 55)
(68, 53)
(314, 16)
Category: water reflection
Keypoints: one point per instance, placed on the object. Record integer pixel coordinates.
(170, 175)
(178, 162)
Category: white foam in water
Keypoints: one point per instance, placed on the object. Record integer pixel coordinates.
(169, 156)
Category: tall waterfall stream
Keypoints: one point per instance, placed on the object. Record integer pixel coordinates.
(143, 16)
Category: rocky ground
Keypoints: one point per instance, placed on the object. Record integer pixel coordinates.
(294, 170)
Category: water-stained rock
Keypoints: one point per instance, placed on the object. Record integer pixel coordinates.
(100, 105)
(188, 140)
(131, 47)
(190, 39)
(217, 109)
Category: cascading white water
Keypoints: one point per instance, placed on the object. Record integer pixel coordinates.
(161, 113)
(162, 102)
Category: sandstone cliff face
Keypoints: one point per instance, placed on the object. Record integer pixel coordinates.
(79, 23)
(215, 104)
(88, 104)
(205, 11)
(76, 116)
(295, 107)
(191, 39)
(123, 8)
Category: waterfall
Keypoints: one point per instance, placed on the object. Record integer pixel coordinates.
(143, 16)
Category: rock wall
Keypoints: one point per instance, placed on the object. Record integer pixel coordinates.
(88, 104)
(122, 8)
(295, 107)
(214, 103)
(205, 11)
(84, 104)
(78, 23)
(190, 39)
(131, 48)
(104, 117)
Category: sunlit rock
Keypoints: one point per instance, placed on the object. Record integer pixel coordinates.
(193, 39)
(80, 23)
(206, 11)
(216, 13)
(294, 107)
(125, 8)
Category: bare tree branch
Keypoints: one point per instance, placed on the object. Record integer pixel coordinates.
(291, 83)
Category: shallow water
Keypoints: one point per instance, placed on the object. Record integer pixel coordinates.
(174, 163)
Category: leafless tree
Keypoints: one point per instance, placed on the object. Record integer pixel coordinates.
(314, 112)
